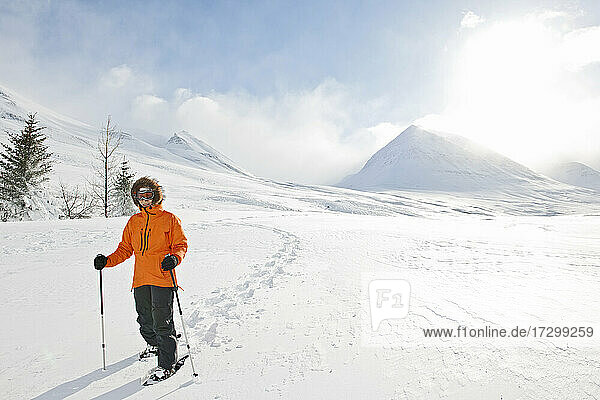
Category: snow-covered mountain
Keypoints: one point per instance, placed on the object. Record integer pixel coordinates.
(73, 145)
(191, 148)
(419, 159)
(427, 161)
(576, 174)
(73, 142)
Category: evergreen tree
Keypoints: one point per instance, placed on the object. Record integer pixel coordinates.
(24, 163)
(121, 190)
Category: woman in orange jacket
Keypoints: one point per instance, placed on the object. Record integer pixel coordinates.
(156, 238)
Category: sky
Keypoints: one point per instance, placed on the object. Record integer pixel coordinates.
(308, 91)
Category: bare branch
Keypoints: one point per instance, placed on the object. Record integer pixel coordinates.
(109, 141)
(77, 202)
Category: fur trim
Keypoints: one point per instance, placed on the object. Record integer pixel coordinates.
(147, 182)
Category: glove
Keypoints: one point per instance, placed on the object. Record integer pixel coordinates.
(169, 262)
(100, 262)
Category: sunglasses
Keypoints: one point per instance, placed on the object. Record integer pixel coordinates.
(145, 195)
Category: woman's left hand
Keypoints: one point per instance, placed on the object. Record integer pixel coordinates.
(169, 262)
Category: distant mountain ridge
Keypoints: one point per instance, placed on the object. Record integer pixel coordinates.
(182, 148)
(423, 160)
(191, 148)
(576, 174)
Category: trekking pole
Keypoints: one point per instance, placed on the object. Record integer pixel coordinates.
(187, 343)
(102, 316)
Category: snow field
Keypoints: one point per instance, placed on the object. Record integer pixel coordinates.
(274, 308)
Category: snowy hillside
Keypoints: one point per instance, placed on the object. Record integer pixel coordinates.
(274, 284)
(9, 109)
(422, 160)
(576, 174)
(73, 144)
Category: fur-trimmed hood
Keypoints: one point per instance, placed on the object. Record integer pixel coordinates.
(150, 183)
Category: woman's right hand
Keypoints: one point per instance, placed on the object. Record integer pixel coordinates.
(100, 262)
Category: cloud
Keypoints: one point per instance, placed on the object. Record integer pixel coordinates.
(181, 94)
(149, 100)
(117, 77)
(306, 136)
(152, 113)
(581, 47)
(523, 88)
(385, 132)
(471, 20)
(547, 15)
(124, 80)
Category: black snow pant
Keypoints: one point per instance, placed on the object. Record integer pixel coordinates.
(154, 306)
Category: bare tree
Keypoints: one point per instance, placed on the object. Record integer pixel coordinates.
(76, 203)
(109, 141)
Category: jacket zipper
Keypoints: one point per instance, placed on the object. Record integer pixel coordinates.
(145, 230)
(148, 238)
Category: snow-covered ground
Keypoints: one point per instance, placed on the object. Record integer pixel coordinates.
(274, 287)
(274, 304)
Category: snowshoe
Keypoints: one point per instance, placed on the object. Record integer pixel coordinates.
(158, 374)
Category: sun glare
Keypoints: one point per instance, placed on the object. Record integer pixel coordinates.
(511, 91)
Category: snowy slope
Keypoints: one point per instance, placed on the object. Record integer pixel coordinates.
(73, 143)
(423, 160)
(273, 305)
(60, 129)
(576, 174)
(9, 109)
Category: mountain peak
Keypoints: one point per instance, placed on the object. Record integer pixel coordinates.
(181, 133)
(424, 160)
(188, 146)
(576, 174)
(176, 140)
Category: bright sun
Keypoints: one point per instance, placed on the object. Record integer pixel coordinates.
(513, 91)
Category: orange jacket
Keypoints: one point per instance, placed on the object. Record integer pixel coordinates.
(151, 234)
